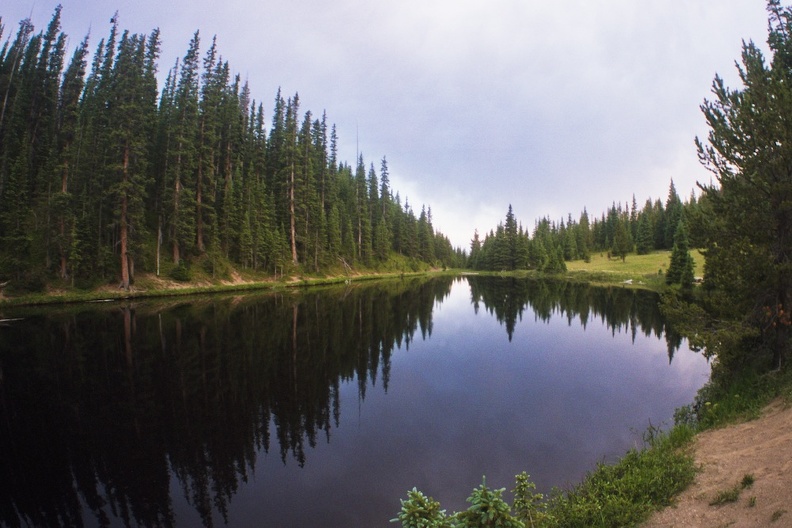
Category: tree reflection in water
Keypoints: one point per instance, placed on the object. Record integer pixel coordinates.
(102, 405)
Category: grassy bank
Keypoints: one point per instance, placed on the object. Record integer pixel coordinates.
(149, 285)
(646, 271)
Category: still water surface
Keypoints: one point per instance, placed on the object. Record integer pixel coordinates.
(323, 408)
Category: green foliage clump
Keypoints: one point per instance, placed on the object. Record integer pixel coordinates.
(420, 511)
(627, 492)
(29, 282)
(487, 509)
(731, 396)
(182, 272)
(528, 505)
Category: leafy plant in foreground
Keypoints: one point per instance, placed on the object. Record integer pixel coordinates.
(487, 508)
(528, 505)
(420, 511)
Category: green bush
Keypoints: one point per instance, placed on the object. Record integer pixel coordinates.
(181, 272)
(420, 511)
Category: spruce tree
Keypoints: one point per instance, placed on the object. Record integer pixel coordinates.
(622, 244)
(749, 231)
(68, 115)
(673, 213)
(644, 243)
(680, 270)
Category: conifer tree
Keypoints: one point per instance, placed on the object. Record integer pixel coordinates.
(131, 108)
(680, 270)
(182, 154)
(644, 243)
(68, 114)
(622, 244)
(750, 230)
(583, 236)
(362, 216)
(474, 261)
(673, 213)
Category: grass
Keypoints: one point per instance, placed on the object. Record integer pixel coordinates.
(627, 492)
(733, 494)
(736, 399)
(646, 271)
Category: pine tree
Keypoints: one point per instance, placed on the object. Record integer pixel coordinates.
(583, 236)
(426, 251)
(680, 270)
(68, 114)
(131, 109)
(622, 245)
(673, 213)
(182, 155)
(474, 261)
(750, 230)
(362, 216)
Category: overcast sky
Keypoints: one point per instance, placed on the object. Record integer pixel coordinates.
(477, 104)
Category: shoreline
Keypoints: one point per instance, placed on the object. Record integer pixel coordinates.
(164, 288)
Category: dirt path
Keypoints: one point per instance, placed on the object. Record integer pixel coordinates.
(761, 448)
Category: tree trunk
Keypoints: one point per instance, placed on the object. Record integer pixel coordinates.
(62, 219)
(159, 242)
(124, 228)
(176, 191)
(199, 227)
(292, 221)
(199, 211)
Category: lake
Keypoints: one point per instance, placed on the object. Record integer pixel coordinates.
(323, 407)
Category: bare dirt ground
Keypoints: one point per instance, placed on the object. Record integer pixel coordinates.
(761, 448)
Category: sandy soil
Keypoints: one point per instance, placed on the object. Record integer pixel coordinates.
(761, 448)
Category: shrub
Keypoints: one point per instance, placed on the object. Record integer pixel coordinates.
(181, 272)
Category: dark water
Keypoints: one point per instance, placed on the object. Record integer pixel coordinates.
(323, 408)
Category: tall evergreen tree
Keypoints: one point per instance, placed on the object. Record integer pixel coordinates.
(182, 154)
(644, 242)
(68, 115)
(680, 270)
(673, 214)
(750, 231)
(131, 109)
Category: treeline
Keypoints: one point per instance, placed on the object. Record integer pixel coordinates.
(619, 231)
(103, 174)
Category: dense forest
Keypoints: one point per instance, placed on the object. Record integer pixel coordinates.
(103, 174)
(620, 231)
